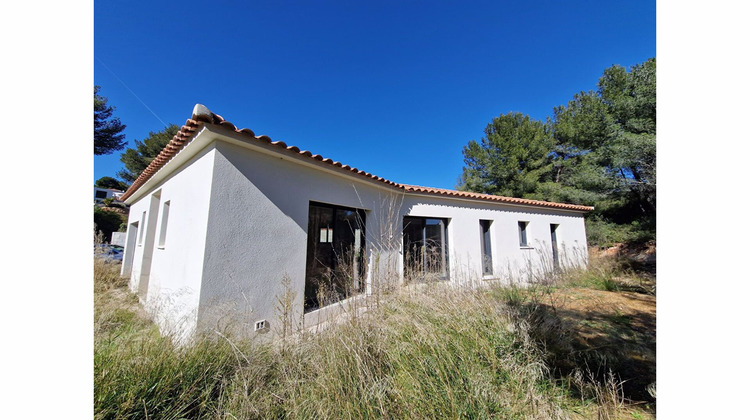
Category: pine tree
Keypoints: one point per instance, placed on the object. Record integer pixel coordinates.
(136, 160)
(598, 149)
(108, 136)
(512, 158)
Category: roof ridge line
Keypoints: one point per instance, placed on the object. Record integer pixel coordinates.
(202, 115)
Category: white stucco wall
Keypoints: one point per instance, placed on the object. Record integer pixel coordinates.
(510, 261)
(238, 229)
(174, 281)
(257, 234)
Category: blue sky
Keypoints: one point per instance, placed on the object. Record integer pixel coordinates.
(407, 77)
(392, 88)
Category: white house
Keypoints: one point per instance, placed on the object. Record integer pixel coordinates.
(102, 193)
(223, 223)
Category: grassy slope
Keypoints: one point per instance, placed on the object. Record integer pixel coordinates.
(428, 353)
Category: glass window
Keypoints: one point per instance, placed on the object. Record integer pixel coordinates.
(553, 234)
(484, 226)
(425, 247)
(522, 233)
(335, 254)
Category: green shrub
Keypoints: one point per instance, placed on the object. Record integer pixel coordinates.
(602, 233)
(106, 222)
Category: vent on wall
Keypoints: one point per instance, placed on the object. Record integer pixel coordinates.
(260, 325)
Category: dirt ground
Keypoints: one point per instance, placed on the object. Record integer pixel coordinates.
(616, 330)
(618, 327)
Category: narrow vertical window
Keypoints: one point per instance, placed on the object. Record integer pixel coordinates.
(522, 240)
(486, 243)
(553, 234)
(143, 225)
(163, 229)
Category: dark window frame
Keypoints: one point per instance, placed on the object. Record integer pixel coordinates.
(426, 265)
(485, 231)
(326, 257)
(553, 241)
(523, 239)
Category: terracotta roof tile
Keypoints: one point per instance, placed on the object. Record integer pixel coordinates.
(179, 140)
(490, 197)
(201, 116)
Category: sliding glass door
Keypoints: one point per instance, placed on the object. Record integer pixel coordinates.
(335, 254)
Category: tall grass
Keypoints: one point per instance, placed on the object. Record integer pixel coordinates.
(140, 374)
(601, 274)
(426, 352)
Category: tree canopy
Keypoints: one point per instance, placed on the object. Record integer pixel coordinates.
(108, 136)
(138, 158)
(511, 159)
(109, 182)
(598, 149)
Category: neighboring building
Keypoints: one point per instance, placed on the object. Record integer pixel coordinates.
(101, 193)
(224, 223)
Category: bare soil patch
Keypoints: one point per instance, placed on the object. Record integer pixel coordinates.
(601, 332)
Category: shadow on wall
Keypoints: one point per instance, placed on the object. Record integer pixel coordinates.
(287, 185)
(258, 229)
(439, 201)
(261, 199)
(289, 192)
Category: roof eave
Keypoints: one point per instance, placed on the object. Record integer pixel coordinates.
(499, 201)
(168, 164)
(292, 153)
(203, 120)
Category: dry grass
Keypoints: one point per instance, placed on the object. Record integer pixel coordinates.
(598, 324)
(428, 351)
